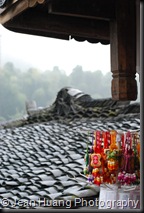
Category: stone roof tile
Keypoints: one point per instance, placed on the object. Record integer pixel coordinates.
(46, 159)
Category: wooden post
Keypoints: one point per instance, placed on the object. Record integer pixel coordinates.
(123, 51)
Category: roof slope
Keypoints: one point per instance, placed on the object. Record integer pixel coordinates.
(2, 3)
(42, 156)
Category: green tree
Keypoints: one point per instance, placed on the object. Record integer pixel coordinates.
(16, 87)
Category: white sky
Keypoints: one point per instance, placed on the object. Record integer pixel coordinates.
(44, 53)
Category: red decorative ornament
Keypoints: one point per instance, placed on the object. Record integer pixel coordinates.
(113, 158)
(95, 160)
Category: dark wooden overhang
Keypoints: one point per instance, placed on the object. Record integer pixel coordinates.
(113, 22)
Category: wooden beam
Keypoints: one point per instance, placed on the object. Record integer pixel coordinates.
(41, 23)
(123, 51)
(13, 10)
(96, 9)
(38, 33)
(17, 7)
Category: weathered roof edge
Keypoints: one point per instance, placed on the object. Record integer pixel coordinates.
(72, 104)
(16, 7)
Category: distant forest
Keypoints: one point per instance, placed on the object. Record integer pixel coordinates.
(17, 87)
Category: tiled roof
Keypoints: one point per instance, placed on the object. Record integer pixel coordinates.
(2, 2)
(42, 155)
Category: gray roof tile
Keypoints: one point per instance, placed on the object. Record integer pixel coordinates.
(54, 196)
(75, 156)
(56, 172)
(32, 197)
(68, 183)
(62, 178)
(10, 183)
(13, 176)
(58, 187)
(84, 193)
(41, 159)
(48, 182)
(52, 190)
(22, 194)
(42, 193)
(22, 180)
(21, 187)
(37, 171)
(64, 160)
(33, 188)
(7, 195)
(2, 189)
(45, 177)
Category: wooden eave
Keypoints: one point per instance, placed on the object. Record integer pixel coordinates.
(106, 21)
(48, 19)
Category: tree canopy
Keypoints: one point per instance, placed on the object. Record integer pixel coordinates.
(17, 87)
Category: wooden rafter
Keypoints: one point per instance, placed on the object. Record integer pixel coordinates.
(16, 8)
